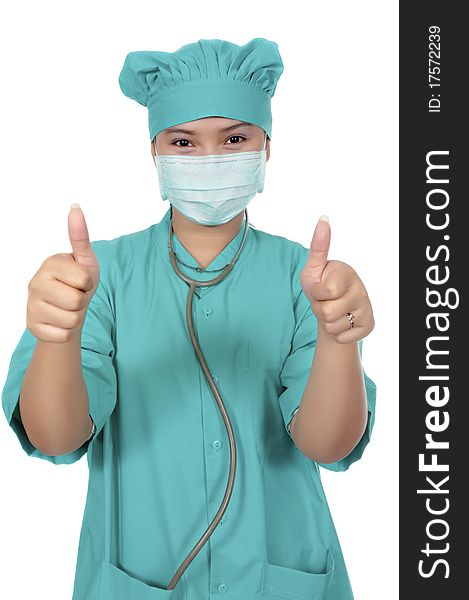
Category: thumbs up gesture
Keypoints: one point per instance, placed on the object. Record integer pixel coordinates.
(61, 290)
(337, 294)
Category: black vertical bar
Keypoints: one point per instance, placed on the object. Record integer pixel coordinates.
(433, 259)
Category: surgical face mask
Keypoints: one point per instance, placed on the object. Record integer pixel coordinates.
(214, 188)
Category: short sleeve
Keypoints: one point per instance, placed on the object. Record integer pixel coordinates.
(295, 373)
(97, 353)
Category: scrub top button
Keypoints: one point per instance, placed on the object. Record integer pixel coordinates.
(222, 587)
(217, 444)
(208, 310)
(215, 378)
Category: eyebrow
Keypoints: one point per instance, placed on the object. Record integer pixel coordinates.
(194, 132)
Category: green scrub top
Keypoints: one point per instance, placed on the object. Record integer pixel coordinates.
(159, 458)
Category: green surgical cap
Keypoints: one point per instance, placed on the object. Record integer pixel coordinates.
(204, 79)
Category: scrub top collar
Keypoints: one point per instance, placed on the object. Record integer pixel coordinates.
(223, 258)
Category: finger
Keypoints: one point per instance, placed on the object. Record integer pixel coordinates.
(352, 335)
(65, 296)
(318, 250)
(342, 323)
(333, 310)
(59, 317)
(78, 234)
(71, 273)
(336, 282)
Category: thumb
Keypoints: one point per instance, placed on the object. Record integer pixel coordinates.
(319, 248)
(79, 237)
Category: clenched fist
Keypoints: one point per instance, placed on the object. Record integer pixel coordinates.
(61, 290)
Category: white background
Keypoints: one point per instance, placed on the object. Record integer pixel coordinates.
(68, 134)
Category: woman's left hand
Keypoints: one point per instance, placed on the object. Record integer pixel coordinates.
(334, 289)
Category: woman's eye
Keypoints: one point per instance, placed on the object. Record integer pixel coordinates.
(237, 136)
(183, 146)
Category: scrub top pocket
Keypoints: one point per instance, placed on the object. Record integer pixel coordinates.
(283, 582)
(116, 584)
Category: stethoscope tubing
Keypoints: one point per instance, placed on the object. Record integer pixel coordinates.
(193, 284)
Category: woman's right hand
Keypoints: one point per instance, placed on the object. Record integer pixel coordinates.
(61, 290)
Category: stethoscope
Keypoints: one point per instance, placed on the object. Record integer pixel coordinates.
(193, 283)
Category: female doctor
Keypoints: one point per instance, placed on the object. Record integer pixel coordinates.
(217, 366)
